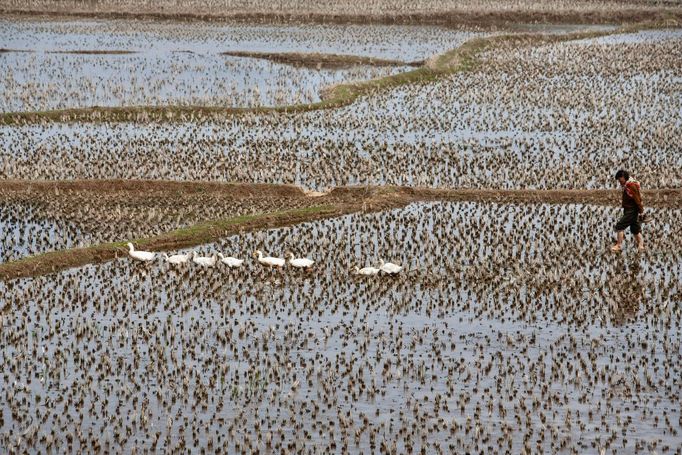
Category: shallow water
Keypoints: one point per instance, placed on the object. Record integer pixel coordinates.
(24, 235)
(557, 116)
(177, 64)
(512, 326)
(34, 223)
(406, 43)
(58, 81)
(562, 28)
(644, 36)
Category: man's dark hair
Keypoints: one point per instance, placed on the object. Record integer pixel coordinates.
(622, 173)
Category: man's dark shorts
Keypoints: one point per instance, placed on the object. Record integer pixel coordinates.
(630, 219)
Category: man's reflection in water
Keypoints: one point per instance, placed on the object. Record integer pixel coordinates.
(629, 293)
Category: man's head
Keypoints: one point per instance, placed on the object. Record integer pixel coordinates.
(622, 176)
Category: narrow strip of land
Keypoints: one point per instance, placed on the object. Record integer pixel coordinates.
(94, 52)
(340, 201)
(661, 198)
(319, 60)
(4, 50)
(154, 186)
(75, 51)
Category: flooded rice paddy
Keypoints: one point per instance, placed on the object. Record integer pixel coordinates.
(38, 222)
(405, 43)
(561, 115)
(40, 81)
(484, 11)
(510, 330)
(122, 63)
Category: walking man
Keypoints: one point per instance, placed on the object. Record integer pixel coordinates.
(633, 211)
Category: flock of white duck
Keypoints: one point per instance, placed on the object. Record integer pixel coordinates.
(387, 268)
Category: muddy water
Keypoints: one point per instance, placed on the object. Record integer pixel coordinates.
(511, 327)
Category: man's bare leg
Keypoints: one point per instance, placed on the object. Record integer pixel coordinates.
(639, 240)
(620, 235)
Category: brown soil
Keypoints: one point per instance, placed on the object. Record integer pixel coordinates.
(5, 50)
(340, 201)
(94, 52)
(79, 51)
(317, 60)
(147, 186)
(456, 18)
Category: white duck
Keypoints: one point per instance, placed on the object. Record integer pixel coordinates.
(389, 267)
(366, 271)
(230, 261)
(140, 255)
(205, 261)
(269, 260)
(177, 259)
(301, 263)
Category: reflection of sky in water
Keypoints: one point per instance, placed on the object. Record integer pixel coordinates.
(561, 28)
(472, 129)
(38, 81)
(23, 237)
(468, 319)
(179, 63)
(404, 43)
(58, 135)
(645, 36)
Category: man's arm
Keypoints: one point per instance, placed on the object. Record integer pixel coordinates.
(637, 197)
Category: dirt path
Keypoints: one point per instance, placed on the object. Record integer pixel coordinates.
(338, 202)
